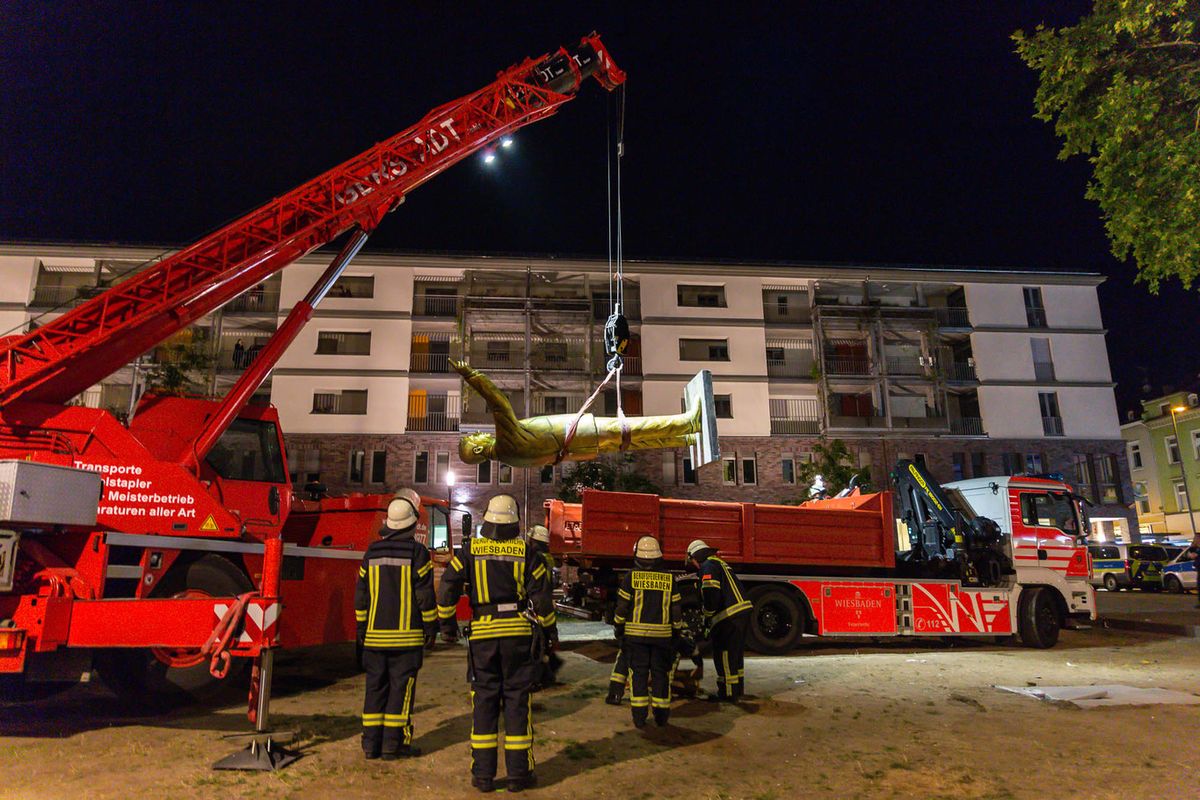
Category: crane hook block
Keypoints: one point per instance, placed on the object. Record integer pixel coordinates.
(616, 337)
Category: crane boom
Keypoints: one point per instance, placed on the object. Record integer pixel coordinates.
(67, 355)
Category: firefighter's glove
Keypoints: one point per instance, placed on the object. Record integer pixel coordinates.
(619, 633)
(684, 646)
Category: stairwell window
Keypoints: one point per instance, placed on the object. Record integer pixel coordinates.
(689, 472)
(483, 474)
(547, 474)
(749, 471)
(421, 467)
(703, 349)
(788, 466)
(505, 475)
(729, 471)
(1035, 309)
(1172, 445)
(379, 466)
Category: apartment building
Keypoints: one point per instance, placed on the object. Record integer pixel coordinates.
(1163, 450)
(973, 372)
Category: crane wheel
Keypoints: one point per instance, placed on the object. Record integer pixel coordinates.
(777, 620)
(167, 676)
(1038, 620)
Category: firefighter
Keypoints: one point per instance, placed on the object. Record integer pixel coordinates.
(726, 618)
(619, 677)
(538, 541)
(512, 614)
(395, 612)
(649, 625)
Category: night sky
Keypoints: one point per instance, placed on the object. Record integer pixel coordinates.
(847, 132)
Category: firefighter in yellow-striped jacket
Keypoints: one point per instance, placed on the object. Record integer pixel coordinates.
(726, 617)
(649, 627)
(396, 615)
(512, 612)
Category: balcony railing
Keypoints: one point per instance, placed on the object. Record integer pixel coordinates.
(795, 417)
(960, 371)
(952, 317)
(429, 362)
(258, 300)
(842, 365)
(966, 426)
(60, 295)
(905, 365)
(797, 370)
(788, 314)
(436, 306)
(921, 423)
(1052, 426)
(433, 412)
(842, 421)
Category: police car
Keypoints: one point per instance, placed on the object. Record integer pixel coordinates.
(1180, 574)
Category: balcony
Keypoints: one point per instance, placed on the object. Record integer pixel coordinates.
(258, 300)
(919, 423)
(960, 372)
(966, 426)
(795, 417)
(433, 412)
(776, 313)
(905, 365)
(429, 362)
(1052, 426)
(52, 296)
(952, 317)
(347, 402)
(1043, 371)
(847, 365)
(842, 421)
(436, 306)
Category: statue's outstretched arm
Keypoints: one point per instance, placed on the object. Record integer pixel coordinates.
(498, 404)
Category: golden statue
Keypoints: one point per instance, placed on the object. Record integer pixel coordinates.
(537, 441)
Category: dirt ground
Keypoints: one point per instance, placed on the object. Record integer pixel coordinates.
(840, 721)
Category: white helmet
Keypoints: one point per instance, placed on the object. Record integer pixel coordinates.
(696, 546)
(647, 548)
(539, 533)
(404, 493)
(400, 514)
(502, 510)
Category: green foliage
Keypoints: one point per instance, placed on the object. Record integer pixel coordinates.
(1123, 89)
(834, 462)
(179, 368)
(610, 475)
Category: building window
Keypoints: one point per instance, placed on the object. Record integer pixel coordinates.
(1181, 496)
(1196, 444)
(1033, 464)
(304, 465)
(353, 286)
(959, 466)
(1051, 419)
(343, 343)
(357, 459)
(689, 474)
(483, 473)
(1172, 445)
(554, 405)
(919, 459)
(788, 465)
(421, 467)
(723, 405)
(703, 349)
(547, 474)
(700, 296)
(749, 471)
(379, 466)
(1135, 452)
(729, 471)
(1084, 476)
(1143, 506)
(776, 357)
(978, 465)
(1108, 479)
(442, 467)
(1013, 463)
(346, 401)
(668, 469)
(1043, 365)
(505, 475)
(1035, 310)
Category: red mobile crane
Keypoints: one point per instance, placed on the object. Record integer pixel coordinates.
(193, 543)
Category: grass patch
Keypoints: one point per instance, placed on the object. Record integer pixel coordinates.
(577, 751)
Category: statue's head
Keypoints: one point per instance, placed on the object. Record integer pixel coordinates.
(475, 448)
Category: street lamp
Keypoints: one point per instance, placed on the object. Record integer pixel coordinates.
(450, 479)
(1187, 495)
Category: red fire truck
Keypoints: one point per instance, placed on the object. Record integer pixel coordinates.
(920, 560)
(172, 548)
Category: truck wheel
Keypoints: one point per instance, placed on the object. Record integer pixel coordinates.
(776, 621)
(1173, 585)
(158, 675)
(1110, 583)
(1037, 618)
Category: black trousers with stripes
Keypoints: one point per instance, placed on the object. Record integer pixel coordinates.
(651, 662)
(503, 674)
(391, 692)
(729, 653)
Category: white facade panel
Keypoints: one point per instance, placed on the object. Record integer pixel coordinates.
(659, 295)
(1089, 412)
(1079, 357)
(1072, 307)
(393, 286)
(387, 404)
(997, 304)
(391, 341)
(747, 350)
(1011, 412)
(1009, 356)
(17, 277)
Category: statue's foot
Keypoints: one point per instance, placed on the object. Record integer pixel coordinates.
(697, 417)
